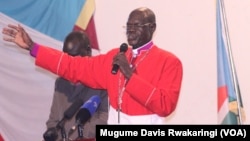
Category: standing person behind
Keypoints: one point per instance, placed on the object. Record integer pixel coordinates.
(143, 93)
(76, 44)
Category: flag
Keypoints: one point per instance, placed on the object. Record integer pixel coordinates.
(27, 90)
(228, 100)
(85, 22)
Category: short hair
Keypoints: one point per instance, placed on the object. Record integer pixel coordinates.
(77, 37)
(148, 14)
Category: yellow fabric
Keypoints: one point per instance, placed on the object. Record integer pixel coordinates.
(86, 14)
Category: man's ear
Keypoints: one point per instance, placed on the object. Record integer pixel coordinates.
(152, 27)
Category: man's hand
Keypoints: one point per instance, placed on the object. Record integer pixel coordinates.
(121, 60)
(18, 35)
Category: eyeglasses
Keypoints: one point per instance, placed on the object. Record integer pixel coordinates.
(136, 26)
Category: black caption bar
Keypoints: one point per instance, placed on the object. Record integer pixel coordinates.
(163, 132)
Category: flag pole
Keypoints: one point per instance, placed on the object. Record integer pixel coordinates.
(231, 62)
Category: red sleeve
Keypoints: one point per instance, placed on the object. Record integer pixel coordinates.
(91, 71)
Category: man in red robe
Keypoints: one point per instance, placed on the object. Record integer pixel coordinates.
(147, 85)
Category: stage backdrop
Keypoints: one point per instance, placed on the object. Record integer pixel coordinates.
(26, 90)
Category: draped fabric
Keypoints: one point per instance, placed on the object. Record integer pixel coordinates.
(26, 90)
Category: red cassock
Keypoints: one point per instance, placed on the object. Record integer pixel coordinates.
(147, 97)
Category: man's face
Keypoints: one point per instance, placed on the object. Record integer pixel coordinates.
(138, 30)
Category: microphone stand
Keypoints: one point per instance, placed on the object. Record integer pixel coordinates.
(63, 133)
(80, 131)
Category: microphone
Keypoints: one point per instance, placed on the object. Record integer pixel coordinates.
(50, 134)
(69, 113)
(123, 48)
(85, 112)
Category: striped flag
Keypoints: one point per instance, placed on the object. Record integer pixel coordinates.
(86, 22)
(26, 90)
(228, 98)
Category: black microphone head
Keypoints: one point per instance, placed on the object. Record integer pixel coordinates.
(123, 47)
(83, 116)
(88, 109)
(50, 134)
(69, 113)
